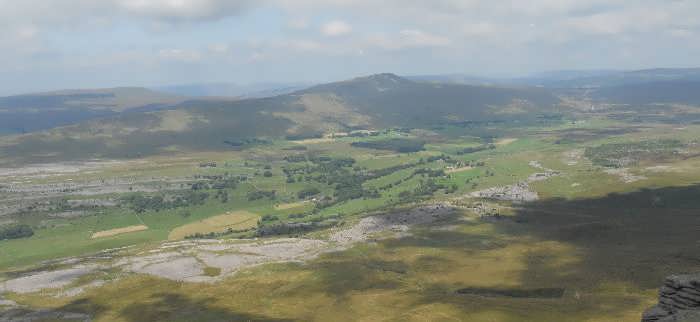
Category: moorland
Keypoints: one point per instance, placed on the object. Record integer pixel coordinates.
(380, 198)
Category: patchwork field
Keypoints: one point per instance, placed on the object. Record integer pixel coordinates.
(294, 226)
(118, 231)
(238, 220)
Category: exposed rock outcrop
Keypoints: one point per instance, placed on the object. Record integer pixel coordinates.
(521, 191)
(679, 300)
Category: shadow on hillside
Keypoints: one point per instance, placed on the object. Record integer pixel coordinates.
(170, 307)
(622, 245)
(636, 238)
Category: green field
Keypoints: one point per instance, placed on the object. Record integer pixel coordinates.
(597, 239)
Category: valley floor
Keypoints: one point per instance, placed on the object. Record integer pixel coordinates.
(526, 229)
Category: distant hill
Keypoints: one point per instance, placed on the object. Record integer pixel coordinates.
(462, 79)
(660, 92)
(34, 112)
(390, 100)
(621, 78)
(377, 101)
(114, 99)
(260, 90)
(574, 78)
(546, 79)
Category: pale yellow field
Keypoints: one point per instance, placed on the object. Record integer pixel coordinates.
(233, 220)
(505, 141)
(314, 141)
(462, 169)
(118, 231)
(292, 205)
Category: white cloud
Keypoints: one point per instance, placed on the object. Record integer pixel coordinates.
(336, 28)
(74, 12)
(298, 23)
(220, 48)
(185, 9)
(419, 38)
(409, 38)
(180, 55)
(303, 45)
(546, 34)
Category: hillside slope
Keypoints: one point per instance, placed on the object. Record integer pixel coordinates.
(377, 101)
(34, 112)
(677, 91)
(394, 101)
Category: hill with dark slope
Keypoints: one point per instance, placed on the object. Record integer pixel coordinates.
(677, 91)
(394, 101)
(35, 112)
(377, 101)
(575, 78)
(633, 77)
(259, 90)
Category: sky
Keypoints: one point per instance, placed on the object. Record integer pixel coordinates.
(58, 44)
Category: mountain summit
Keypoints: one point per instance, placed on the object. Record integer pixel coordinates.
(371, 102)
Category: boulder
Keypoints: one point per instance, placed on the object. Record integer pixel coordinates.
(679, 300)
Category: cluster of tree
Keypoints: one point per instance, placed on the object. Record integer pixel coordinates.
(15, 232)
(240, 143)
(304, 136)
(213, 235)
(451, 189)
(296, 174)
(141, 203)
(334, 163)
(210, 164)
(320, 158)
(347, 181)
(260, 194)
(222, 195)
(322, 167)
(619, 155)
(59, 205)
(428, 188)
(348, 186)
(268, 228)
(480, 148)
(430, 172)
(298, 158)
(268, 218)
(226, 183)
(434, 158)
(308, 192)
(285, 229)
(395, 144)
(425, 188)
(387, 171)
(217, 182)
(295, 148)
(298, 216)
(353, 190)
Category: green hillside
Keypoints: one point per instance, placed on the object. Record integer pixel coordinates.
(36, 112)
(378, 101)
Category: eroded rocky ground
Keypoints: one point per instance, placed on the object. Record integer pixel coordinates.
(521, 191)
(192, 260)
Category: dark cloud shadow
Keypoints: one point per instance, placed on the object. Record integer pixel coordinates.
(170, 307)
